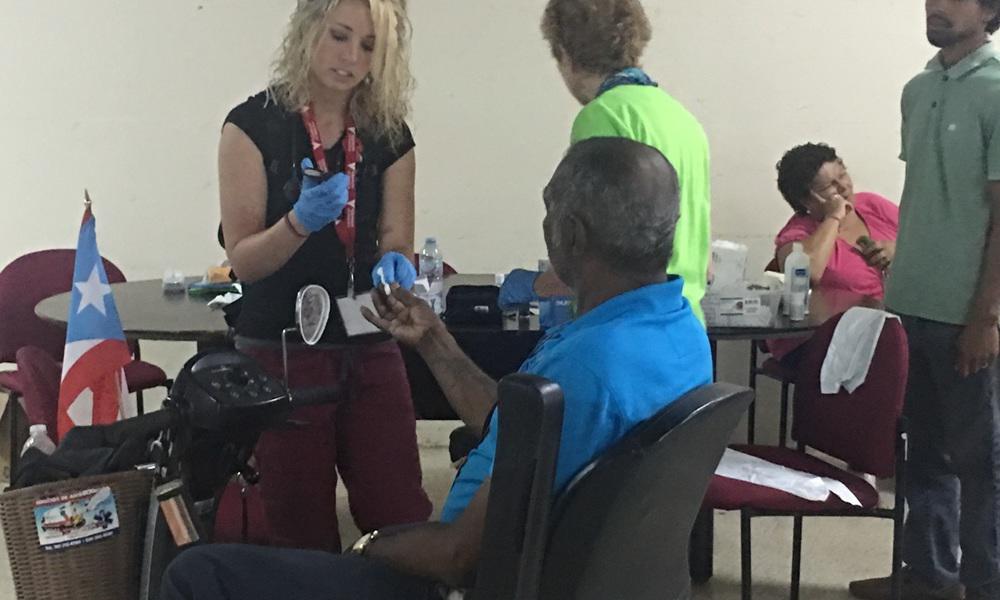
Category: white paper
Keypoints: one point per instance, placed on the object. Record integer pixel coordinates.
(743, 467)
(350, 312)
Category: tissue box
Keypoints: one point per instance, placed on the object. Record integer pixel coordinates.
(729, 261)
(742, 305)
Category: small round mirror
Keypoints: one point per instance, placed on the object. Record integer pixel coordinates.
(312, 310)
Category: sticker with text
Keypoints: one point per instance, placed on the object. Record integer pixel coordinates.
(76, 518)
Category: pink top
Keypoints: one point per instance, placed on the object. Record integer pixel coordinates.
(847, 269)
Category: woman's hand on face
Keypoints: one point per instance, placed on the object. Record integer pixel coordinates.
(836, 206)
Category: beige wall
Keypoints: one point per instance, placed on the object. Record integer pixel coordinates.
(126, 98)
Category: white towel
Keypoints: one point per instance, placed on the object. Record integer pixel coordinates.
(851, 350)
(744, 467)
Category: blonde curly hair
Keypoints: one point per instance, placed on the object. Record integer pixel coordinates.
(382, 102)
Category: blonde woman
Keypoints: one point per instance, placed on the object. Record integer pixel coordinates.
(316, 179)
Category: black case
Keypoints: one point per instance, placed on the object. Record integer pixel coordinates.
(473, 305)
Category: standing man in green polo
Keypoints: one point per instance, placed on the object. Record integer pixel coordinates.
(945, 283)
(598, 45)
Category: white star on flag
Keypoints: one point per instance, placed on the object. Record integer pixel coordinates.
(92, 292)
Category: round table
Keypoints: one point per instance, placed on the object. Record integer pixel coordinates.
(823, 304)
(147, 313)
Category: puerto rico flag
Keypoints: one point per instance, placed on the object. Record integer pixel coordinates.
(93, 389)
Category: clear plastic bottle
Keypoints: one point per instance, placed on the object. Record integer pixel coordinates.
(431, 266)
(797, 283)
(38, 438)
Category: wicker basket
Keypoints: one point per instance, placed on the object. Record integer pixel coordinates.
(107, 569)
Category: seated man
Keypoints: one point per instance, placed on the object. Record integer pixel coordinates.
(635, 346)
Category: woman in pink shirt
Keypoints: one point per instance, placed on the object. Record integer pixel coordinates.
(829, 220)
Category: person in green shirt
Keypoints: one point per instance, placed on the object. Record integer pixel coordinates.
(945, 285)
(598, 45)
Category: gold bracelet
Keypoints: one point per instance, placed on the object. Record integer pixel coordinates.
(288, 221)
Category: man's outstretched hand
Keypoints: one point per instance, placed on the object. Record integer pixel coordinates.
(402, 315)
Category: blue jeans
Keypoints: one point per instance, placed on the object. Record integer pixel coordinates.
(242, 572)
(953, 472)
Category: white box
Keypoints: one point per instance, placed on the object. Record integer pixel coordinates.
(742, 305)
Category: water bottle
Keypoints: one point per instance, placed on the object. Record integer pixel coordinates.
(796, 283)
(431, 266)
(38, 438)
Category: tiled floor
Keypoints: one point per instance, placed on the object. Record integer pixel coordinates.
(834, 550)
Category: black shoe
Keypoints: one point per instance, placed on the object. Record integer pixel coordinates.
(914, 588)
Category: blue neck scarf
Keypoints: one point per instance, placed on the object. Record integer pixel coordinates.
(630, 76)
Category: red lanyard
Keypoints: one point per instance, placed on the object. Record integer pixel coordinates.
(345, 225)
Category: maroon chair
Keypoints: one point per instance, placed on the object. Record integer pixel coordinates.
(39, 375)
(864, 429)
(24, 283)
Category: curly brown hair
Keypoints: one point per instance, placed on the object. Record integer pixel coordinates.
(598, 36)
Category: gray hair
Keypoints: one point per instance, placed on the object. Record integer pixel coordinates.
(626, 195)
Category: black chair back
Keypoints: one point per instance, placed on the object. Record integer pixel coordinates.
(517, 516)
(622, 527)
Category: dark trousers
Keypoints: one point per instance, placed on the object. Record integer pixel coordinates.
(953, 489)
(240, 572)
(367, 434)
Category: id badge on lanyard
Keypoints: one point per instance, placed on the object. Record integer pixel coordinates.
(346, 225)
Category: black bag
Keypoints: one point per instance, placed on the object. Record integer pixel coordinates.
(473, 305)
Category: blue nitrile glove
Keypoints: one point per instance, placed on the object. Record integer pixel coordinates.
(518, 289)
(320, 202)
(396, 268)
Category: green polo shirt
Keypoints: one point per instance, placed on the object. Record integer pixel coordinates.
(649, 115)
(951, 145)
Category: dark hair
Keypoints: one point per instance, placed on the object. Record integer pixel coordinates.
(994, 23)
(797, 169)
(626, 195)
(598, 36)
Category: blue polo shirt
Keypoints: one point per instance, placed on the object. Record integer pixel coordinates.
(617, 365)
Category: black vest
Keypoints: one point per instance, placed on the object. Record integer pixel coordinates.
(269, 304)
